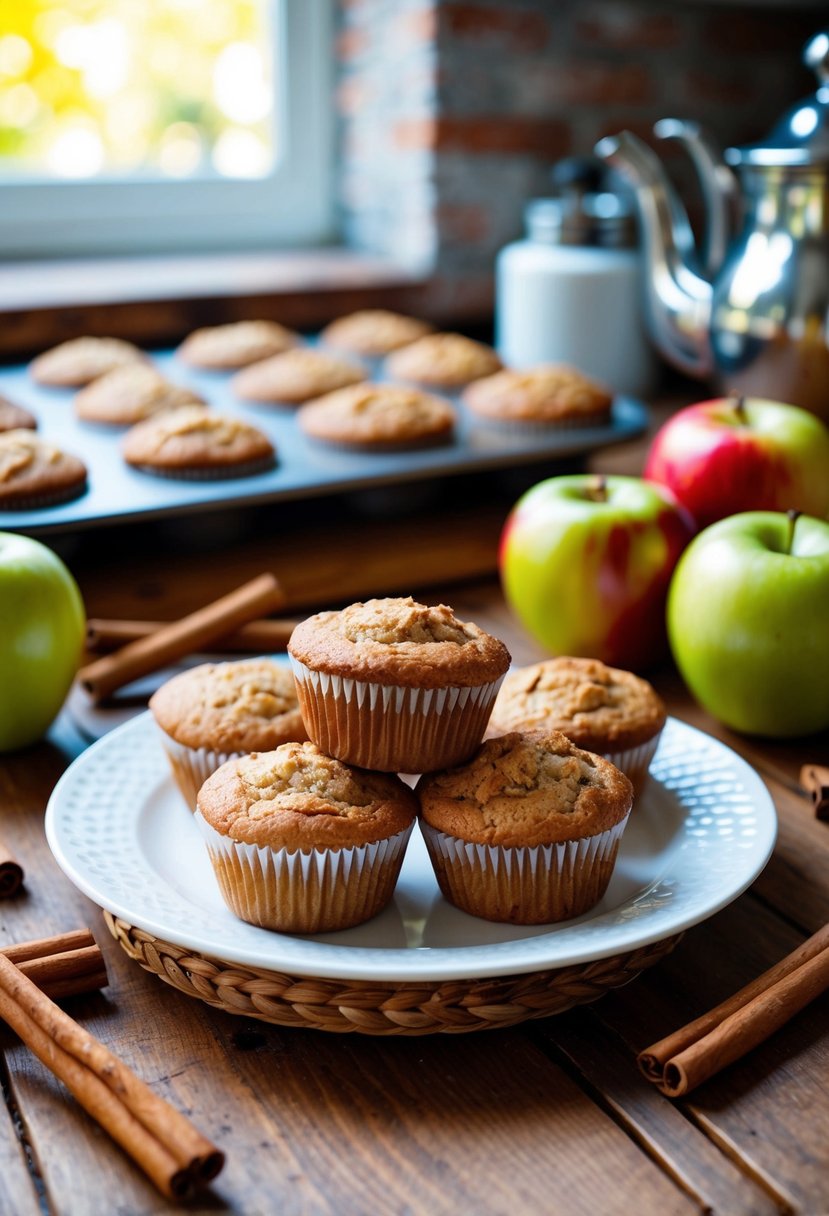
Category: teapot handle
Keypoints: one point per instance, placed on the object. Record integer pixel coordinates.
(719, 186)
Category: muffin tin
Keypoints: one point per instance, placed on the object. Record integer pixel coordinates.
(304, 469)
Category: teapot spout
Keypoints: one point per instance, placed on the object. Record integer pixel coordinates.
(677, 297)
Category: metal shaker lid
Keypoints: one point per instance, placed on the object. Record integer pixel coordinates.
(801, 137)
(586, 210)
(594, 219)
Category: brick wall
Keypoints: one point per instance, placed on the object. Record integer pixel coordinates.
(452, 112)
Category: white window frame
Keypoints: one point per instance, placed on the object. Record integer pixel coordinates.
(293, 205)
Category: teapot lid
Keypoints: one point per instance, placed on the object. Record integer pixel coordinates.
(801, 137)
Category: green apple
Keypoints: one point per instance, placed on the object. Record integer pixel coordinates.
(42, 624)
(748, 622)
(586, 561)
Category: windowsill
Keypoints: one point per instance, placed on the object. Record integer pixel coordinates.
(158, 298)
(69, 282)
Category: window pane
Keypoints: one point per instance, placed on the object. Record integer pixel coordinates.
(170, 89)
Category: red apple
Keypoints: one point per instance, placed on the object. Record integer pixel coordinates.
(738, 454)
(586, 561)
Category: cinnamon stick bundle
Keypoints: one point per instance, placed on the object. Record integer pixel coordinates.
(11, 873)
(258, 637)
(146, 654)
(814, 778)
(162, 1141)
(66, 964)
(689, 1056)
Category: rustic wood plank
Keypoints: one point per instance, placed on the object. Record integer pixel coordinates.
(794, 881)
(755, 1109)
(447, 1125)
(684, 1152)
(17, 1187)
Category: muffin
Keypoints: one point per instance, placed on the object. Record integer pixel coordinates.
(447, 361)
(130, 394)
(294, 377)
(80, 360)
(15, 418)
(394, 685)
(216, 711)
(302, 843)
(600, 708)
(191, 442)
(229, 347)
(34, 473)
(528, 831)
(547, 395)
(376, 417)
(373, 332)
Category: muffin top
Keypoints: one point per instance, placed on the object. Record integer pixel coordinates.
(598, 707)
(244, 705)
(526, 788)
(296, 797)
(228, 347)
(14, 417)
(295, 376)
(373, 332)
(129, 394)
(450, 360)
(80, 360)
(377, 415)
(547, 393)
(31, 466)
(399, 642)
(192, 437)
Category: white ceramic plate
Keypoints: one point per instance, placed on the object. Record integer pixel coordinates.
(700, 834)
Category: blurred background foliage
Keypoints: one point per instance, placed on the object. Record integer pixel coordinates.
(149, 88)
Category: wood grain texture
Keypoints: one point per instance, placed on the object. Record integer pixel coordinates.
(708, 1175)
(17, 1187)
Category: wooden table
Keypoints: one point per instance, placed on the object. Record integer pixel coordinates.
(547, 1117)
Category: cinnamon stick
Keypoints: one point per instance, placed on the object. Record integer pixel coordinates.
(193, 632)
(63, 965)
(162, 1141)
(257, 637)
(814, 778)
(694, 1053)
(11, 873)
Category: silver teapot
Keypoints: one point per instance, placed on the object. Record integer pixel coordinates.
(750, 310)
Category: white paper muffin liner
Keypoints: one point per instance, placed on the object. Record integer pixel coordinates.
(305, 892)
(634, 762)
(525, 886)
(191, 766)
(392, 729)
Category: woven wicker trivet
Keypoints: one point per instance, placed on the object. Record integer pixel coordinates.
(382, 1007)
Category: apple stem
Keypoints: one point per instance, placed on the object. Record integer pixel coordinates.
(598, 491)
(739, 404)
(793, 517)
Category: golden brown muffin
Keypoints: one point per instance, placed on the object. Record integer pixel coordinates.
(80, 360)
(549, 393)
(395, 685)
(603, 709)
(34, 473)
(446, 361)
(545, 818)
(15, 418)
(192, 442)
(378, 417)
(373, 332)
(217, 710)
(229, 347)
(301, 842)
(130, 394)
(294, 377)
